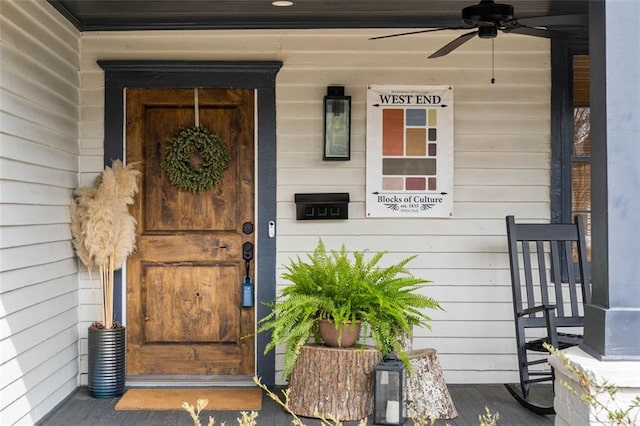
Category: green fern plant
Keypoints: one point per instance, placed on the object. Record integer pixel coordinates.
(331, 285)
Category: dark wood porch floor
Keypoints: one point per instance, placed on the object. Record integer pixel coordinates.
(470, 401)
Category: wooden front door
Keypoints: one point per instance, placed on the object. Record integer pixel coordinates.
(184, 282)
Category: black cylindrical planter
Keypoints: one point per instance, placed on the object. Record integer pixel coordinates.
(106, 362)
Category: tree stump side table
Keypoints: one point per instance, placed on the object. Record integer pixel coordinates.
(334, 383)
(425, 392)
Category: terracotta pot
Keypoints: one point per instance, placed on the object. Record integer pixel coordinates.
(339, 338)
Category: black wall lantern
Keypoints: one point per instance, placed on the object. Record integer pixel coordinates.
(337, 125)
(388, 399)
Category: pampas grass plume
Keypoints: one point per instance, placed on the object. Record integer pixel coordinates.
(102, 227)
(126, 180)
(78, 212)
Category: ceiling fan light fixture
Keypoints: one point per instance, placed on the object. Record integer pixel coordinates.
(487, 31)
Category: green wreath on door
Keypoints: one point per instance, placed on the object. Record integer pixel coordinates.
(181, 169)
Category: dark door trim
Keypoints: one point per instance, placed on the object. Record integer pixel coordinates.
(260, 76)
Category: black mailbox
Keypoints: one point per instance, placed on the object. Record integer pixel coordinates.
(322, 206)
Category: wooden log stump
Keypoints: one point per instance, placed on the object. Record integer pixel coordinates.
(426, 393)
(333, 383)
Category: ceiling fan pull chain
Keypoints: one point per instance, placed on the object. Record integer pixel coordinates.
(197, 108)
(493, 80)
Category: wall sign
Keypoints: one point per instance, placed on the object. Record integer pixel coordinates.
(409, 151)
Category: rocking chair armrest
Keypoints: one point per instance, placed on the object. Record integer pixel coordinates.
(541, 308)
(549, 318)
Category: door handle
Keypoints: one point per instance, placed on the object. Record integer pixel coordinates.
(247, 282)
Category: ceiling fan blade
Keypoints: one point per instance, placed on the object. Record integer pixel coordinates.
(551, 20)
(452, 45)
(537, 32)
(418, 32)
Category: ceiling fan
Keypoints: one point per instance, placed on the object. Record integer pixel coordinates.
(487, 17)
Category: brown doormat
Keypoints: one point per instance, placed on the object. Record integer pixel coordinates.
(235, 399)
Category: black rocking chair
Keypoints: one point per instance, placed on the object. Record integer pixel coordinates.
(549, 293)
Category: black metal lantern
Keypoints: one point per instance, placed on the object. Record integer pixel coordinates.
(337, 125)
(388, 400)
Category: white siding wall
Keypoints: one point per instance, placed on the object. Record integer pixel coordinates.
(502, 157)
(39, 85)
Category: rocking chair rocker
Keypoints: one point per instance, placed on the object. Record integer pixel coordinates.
(549, 292)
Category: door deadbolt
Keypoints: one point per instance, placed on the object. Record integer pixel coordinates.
(247, 228)
(247, 251)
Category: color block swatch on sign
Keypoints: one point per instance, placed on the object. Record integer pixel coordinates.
(409, 140)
